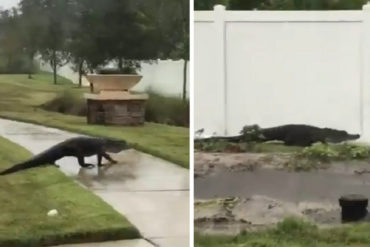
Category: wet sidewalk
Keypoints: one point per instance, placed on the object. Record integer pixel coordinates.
(152, 193)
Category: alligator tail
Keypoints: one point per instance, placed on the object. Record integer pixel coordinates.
(221, 138)
(18, 167)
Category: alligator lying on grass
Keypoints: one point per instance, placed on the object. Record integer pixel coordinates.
(78, 147)
(291, 134)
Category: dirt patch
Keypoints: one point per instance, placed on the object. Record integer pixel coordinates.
(206, 163)
(233, 215)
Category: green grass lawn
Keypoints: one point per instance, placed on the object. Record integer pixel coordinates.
(293, 233)
(26, 197)
(20, 99)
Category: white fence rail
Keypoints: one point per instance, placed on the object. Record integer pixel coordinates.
(280, 67)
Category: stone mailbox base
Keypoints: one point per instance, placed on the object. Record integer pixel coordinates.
(116, 112)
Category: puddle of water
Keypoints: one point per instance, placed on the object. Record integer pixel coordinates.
(315, 186)
(136, 171)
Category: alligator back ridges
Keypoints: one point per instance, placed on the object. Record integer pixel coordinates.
(291, 134)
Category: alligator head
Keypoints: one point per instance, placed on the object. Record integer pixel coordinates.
(336, 136)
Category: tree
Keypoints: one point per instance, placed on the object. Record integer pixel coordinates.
(347, 4)
(281, 4)
(312, 4)
(245, 5)
(79, 41)
(170, 19)
(89, 33)
(208, 4)
(53, 33)
(111, 30)
(10, 44)
(31, 30)
(182, 44)
(130, 36)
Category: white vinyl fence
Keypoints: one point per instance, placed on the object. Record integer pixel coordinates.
(280, 67)
(163, 76)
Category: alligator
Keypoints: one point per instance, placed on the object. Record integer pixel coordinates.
(291, 135)
(78, 147)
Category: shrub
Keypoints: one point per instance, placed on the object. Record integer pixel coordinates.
(319, 155)
(68, 102)
(350, 151)
(319, 151)
(252, 133)
(222, 146)
(324, 152)
(293, 228)
(167, 110)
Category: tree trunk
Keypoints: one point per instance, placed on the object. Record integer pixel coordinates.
(90, 68)
(55, 66)
(120, 63)
(31, 55)
(80, 73)
(184, 82)
(79, 79)
(9, 63)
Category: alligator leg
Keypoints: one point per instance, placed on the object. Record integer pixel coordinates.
(81, 162)
(107, 156)
(99, 159)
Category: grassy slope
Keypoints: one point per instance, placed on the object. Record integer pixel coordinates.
(20, 98)
(26, 197)
(293, 233)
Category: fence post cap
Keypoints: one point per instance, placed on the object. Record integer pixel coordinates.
(219, 7)
(366, 6)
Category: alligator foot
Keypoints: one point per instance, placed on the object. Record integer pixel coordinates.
(360, 172)
(89, 166)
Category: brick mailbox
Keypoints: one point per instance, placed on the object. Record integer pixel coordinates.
(112, 103)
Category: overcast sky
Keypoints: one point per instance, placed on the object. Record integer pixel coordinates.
(7, 4)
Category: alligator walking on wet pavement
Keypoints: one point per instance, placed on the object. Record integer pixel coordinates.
(78, 147)
(291, 134)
